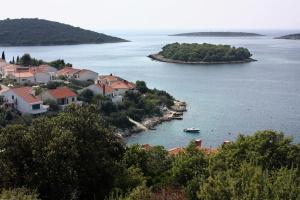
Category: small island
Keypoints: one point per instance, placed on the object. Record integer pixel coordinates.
(202, 54)
(290, 37)
(38, 32)
(218, 34)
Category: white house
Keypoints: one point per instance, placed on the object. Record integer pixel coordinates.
(22, 77)
(78, 74)
(62, 95)
(85, 75)
(24, 100)
(108, 79)
(102, 89)
(2, 65)
(120, 87)
(43, 73)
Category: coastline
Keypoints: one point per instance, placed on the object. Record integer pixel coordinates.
(160, 58)
(174, 113)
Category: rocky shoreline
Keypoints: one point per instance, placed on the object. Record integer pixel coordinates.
(160, 58)
(173, 113)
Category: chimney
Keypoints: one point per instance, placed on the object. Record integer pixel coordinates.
(103, 87)
(198, 143)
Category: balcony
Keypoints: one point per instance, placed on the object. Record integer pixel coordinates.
(43, 109)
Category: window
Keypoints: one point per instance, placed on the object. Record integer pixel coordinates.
(73, 99)
(12, 97)
(36, 106)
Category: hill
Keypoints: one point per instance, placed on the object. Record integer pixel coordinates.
(218, 34)
(202, 54)
(39, 32)
(290, 37)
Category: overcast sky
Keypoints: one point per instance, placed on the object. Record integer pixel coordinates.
(161, 14)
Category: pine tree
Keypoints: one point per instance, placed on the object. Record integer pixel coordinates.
(3, 55)
(13, 61)
(18, 59)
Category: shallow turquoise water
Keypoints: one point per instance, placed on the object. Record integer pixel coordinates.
(239, 98)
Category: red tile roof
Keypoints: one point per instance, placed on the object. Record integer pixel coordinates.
(40, 69)
(26, 94)
(82, 71)
(67, 71)
(123, 85)
(62, 92)
(175, 151)
(110, 78)
(23, 74)
(108, 89)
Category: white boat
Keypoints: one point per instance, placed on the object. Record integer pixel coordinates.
(191, 130)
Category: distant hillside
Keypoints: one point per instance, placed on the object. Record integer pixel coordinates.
(218, 34)
(290, 37)
(35, 32)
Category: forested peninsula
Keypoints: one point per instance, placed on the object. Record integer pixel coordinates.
(218, 34)
(39, 32)
(290, 37)
(202, 54)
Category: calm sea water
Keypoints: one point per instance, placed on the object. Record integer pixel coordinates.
(222, 99)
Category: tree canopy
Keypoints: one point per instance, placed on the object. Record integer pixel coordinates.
(204, 52)
(32, 32)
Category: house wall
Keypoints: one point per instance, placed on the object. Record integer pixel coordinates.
(51, 69)
(87, 75)
(96, 90)
(46, 95)
(42, 77)
(120, 91)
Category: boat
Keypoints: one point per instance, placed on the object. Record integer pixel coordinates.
(191, 130)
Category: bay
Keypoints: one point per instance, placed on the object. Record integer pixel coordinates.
(222, 99)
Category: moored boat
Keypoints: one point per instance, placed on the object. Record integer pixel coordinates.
(191, 130)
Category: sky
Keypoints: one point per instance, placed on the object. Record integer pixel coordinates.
(160, 14)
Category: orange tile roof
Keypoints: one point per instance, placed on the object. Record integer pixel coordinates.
(108, 89)
(123, 85)
(84, 71)
(67, 71)
(110, 78)
(146, 147)
(11, 66)
(175, 151)
(39, 69)
(23, 74)
(62, 92)
(26, 94)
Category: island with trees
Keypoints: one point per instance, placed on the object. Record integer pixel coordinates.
(218, 34)
(290, 37)
(39, 32)
(202, 54)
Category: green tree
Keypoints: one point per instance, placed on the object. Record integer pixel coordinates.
(141, 86)
(269, 149)
(26, 60)
(3, 55)
(86, 95)
(72, 155)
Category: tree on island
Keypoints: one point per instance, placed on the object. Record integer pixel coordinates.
(3, 55)
(204, 52)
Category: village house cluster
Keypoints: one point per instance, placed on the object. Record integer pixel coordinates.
(22, 93)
